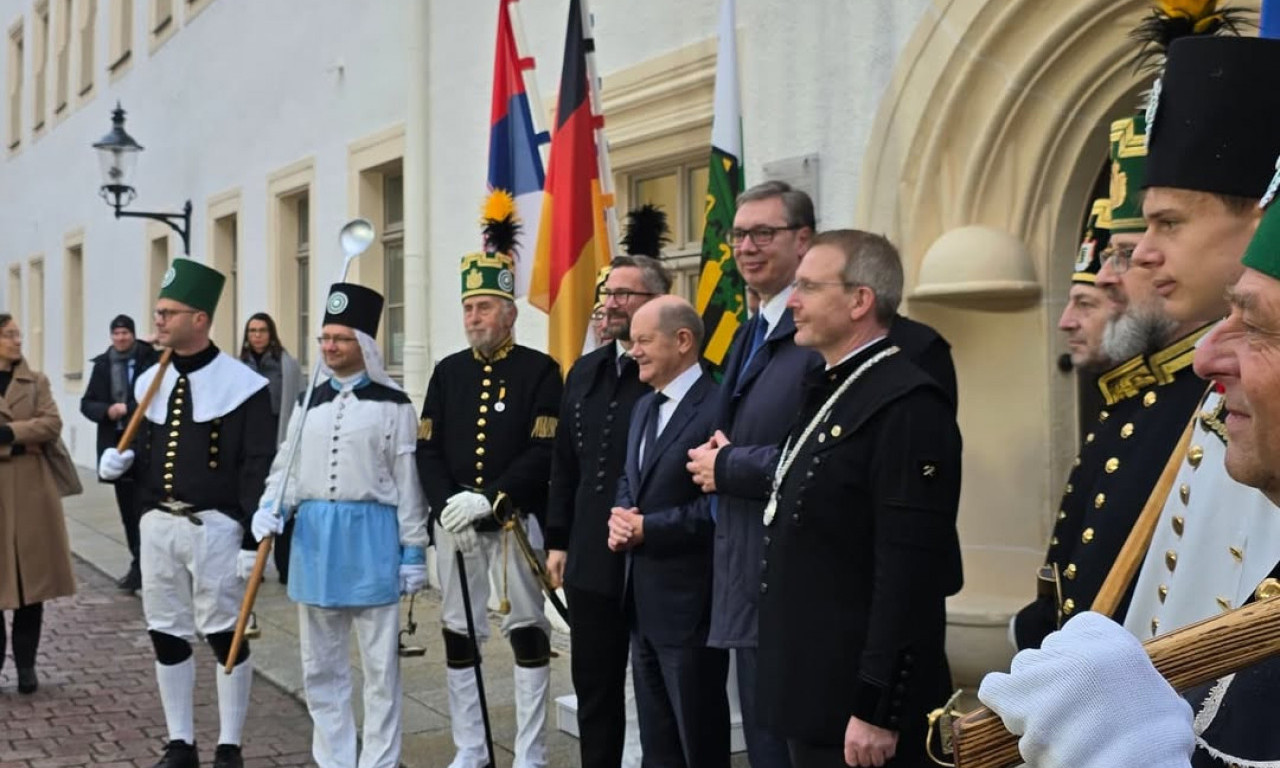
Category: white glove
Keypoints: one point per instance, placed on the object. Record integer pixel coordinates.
(113, 463)
(1090, 698)
(463, 509)
(465, 540)
(266, 523)
(245, 560)
(412, 578)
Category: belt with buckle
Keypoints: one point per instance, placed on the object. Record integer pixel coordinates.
(181, 509)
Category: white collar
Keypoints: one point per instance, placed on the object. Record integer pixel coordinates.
(216, 389)
(678, 387)
(771, 310)
(846, 358)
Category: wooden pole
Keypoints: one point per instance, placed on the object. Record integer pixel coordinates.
(139, 413)
(1189, 657)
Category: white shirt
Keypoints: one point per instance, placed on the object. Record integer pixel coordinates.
(846, 358)
(771, 310)
(675, 390)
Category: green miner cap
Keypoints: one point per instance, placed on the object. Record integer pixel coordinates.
(193, 284)
(1092, 244)
(1263, 253)
(1128, 168)
(492, 272)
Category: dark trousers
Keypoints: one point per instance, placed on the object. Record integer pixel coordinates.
(127, 501)
(280, 549)
(601, 640)
(764, 750)
(26, 635)
(682, 704)
(813, 756)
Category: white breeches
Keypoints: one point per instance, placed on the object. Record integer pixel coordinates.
(486, 562)
(189, 582)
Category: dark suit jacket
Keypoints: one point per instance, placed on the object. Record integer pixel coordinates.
(590, 447)
(669, 575)
(860, 559)
(97, 395)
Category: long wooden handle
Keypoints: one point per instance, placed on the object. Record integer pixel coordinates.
(1186, 658)
(246, 605)
(1135, 546)
(139, 414)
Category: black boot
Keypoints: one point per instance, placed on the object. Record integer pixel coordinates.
(131, 581)
(227, 756)
(27, 680)
(179, 754)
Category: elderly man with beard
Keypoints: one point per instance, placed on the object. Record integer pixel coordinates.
(1090, 697)
(485, 439)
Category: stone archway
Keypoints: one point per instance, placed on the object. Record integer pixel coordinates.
(996, 116)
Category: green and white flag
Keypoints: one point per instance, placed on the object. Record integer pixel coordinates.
(721, 292)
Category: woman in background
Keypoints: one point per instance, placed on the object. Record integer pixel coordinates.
(35, 556)
(263, 352)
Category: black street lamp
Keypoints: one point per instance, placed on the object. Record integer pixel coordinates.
(118, 153)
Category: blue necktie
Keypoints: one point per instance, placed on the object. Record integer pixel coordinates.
(759, 334)
(651, 430)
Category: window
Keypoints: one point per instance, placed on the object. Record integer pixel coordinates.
(33, 331)
(157, 263)
(120, 47)
(194, 7)
(162, 23)
(88, 24)
(679, 190)
(73, 306)
(39, 68)
(62, 56)
(15, 292)
(302, 278)
(224, 249)
(288, 273)
(15, 85)
(393, 271)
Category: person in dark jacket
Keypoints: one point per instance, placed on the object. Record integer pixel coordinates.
(108, 402)
(860, 548)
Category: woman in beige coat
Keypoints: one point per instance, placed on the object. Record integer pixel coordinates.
(35, 558)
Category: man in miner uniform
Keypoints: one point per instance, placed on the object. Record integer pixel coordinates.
(203, 452)
(360, 537)
(486, 436)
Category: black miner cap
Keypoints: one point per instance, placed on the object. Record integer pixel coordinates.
(354, 306)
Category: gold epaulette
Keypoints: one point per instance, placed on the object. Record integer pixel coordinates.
(1166, 363)
(544, 427)
(424, 429)
(1125, 380)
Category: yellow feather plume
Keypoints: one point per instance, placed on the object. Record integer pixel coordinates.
(498, 205)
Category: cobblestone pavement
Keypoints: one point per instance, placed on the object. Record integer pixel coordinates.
(97, 703)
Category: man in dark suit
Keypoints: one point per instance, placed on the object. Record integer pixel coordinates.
(764, 376)
(663, 522)
(591, 444)
(860, 547)
(108, 401)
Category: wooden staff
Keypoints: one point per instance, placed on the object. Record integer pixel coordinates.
(1135, 547)
(246, 605)
(1189, 657)
(139, 414)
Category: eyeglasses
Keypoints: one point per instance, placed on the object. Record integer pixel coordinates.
(807, 287)
(11, 335)
(621, 294)
(336, 339)
(258, 330)
(761, 236)
(1119, 256)
(165, 314)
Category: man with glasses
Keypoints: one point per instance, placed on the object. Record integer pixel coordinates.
(763, 377)
(360, 534)
(485, 440)
(591, 445)
(203, 453)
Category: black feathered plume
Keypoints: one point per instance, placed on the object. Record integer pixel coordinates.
(499, 222)
(1172, 19)
(646, 231)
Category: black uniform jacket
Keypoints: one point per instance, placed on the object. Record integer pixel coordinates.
(488, 425)
(860, 558)
(97, 395)
(669, 575)
(591, 443)
(1147, 404)
(219, 464)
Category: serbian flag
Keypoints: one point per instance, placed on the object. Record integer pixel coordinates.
(514, 162)
(572, 240)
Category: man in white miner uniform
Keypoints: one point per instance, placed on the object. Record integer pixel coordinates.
(360, 537)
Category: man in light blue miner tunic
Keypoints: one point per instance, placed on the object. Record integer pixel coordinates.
(360, 537)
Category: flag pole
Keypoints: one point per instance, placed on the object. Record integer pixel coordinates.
(602, 143)
(530, 81)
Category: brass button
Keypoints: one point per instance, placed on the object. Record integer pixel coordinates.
(1171, 560)
(1163, 592)
(1070, 572)
(480, 437)
(1112, 465)
(168, 488)
(1179, 524)
(1268, 589)
(484, 395)
(1076, 463)
(172, 444)
(168, 465)
(1088, 438)
(213, 465)
(479, 465)
(175, 423)
(1126, 431)
(1184, 493)
(479, 481)
(169, 454)
(213, 435)
(1103, 416)
(1224, 603)
(1155, 625)
(480, 451)
(481, 422)
(835, 431)
(1099, 500)
(1068, 606)
(1062, 514)
(174, 433)
(486, 382)
(178, 401)
(213, 449)
(1053, 542)
(484, 409)
(168, 476)
(1237, 553)
(1087, 536)
(1148, 399)
(1068, 489)
(1194, 456)
(488, 368)
(177, 412)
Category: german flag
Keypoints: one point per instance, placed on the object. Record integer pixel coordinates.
(572, 237)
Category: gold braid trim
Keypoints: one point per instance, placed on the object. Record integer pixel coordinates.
(502, 351)
(1125, 380)
(424, 429)
(1166, 363)
(1210, 421)
(544, 427)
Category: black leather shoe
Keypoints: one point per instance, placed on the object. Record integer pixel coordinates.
(27, 680)
(131, 581)
(227, 756)
(179, 754)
